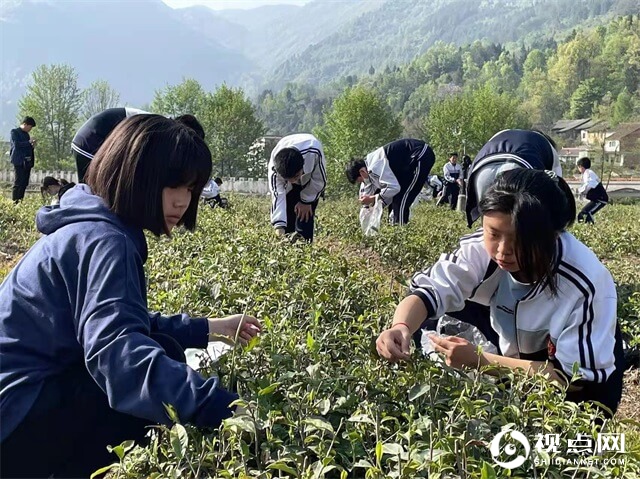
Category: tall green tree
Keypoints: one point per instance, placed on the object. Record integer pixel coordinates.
(585, 99)
(468, 120)
(187, 97)
(98, 97)
(623, 107)
(234, 128)
(54, 100)
(358, 122)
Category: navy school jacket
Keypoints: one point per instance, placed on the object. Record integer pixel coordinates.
(79, 296)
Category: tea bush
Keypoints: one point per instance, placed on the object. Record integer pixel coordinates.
(319, 402)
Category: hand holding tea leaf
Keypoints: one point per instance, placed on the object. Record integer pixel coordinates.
(246, 327)
(394, 343)
(458, 352)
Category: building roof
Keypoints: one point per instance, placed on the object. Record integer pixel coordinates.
(565, 126)
(599, 126)
(592, 124)
(623, 130)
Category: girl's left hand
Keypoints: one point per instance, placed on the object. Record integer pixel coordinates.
(458, 352)
(228, 326)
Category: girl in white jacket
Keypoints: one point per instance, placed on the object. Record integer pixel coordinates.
(551, 302)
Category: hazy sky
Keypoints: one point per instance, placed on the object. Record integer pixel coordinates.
(235, 4)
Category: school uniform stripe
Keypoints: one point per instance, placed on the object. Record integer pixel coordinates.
(424, 295)
(585, 329)
(81, 151)
(592, 290)
(404, 209)
(477, 234)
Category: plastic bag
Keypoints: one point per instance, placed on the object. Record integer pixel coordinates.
(448, 326)
(370, 217)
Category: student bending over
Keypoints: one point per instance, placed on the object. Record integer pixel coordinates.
(552, 303)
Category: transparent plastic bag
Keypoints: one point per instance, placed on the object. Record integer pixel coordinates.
(370, 218)
(448, 326)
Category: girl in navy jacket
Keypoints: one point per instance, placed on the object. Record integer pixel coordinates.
(551, 302)
(84, 363)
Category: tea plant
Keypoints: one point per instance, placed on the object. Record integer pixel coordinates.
(319, 402)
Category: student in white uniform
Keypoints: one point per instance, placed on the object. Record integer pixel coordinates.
(592, 189)
(452, 181)
(297, 179)
(211, 193)
(552, 303)
(393, 174)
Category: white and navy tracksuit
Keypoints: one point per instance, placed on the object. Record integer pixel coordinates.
(505, 150)
(578, 325)
(594, 191)
(452, 173)
(285, 195)
(397, 173)
(211, 193)
(93, 132)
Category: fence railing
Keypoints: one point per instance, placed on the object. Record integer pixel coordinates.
(236, 185)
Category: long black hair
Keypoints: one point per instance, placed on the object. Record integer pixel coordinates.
(542, 206)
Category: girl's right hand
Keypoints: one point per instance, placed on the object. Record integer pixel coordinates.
(394, 343)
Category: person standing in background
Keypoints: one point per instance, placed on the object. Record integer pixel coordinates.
(453, 181)
(22, 157)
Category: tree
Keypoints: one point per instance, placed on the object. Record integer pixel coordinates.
(234, 128)
(585, 99)
(622, 108)
(187, 97)
(54, 100)
(98, 97)
(358, 122)
(469, 119)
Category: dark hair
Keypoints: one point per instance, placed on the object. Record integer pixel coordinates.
(48, 181)
(541, 205)
(453, 154)
(63, 182)
(352, 170)
(193, 123)
(218, 180)
(143, 155)
(28, 121)
(585, 162)
(288, 162)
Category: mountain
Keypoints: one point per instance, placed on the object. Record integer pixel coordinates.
(271, 34)
(398, 31)
(137, 46)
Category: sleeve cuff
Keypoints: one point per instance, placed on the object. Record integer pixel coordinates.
(199, 333)
(431, 312)
(216, 410)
